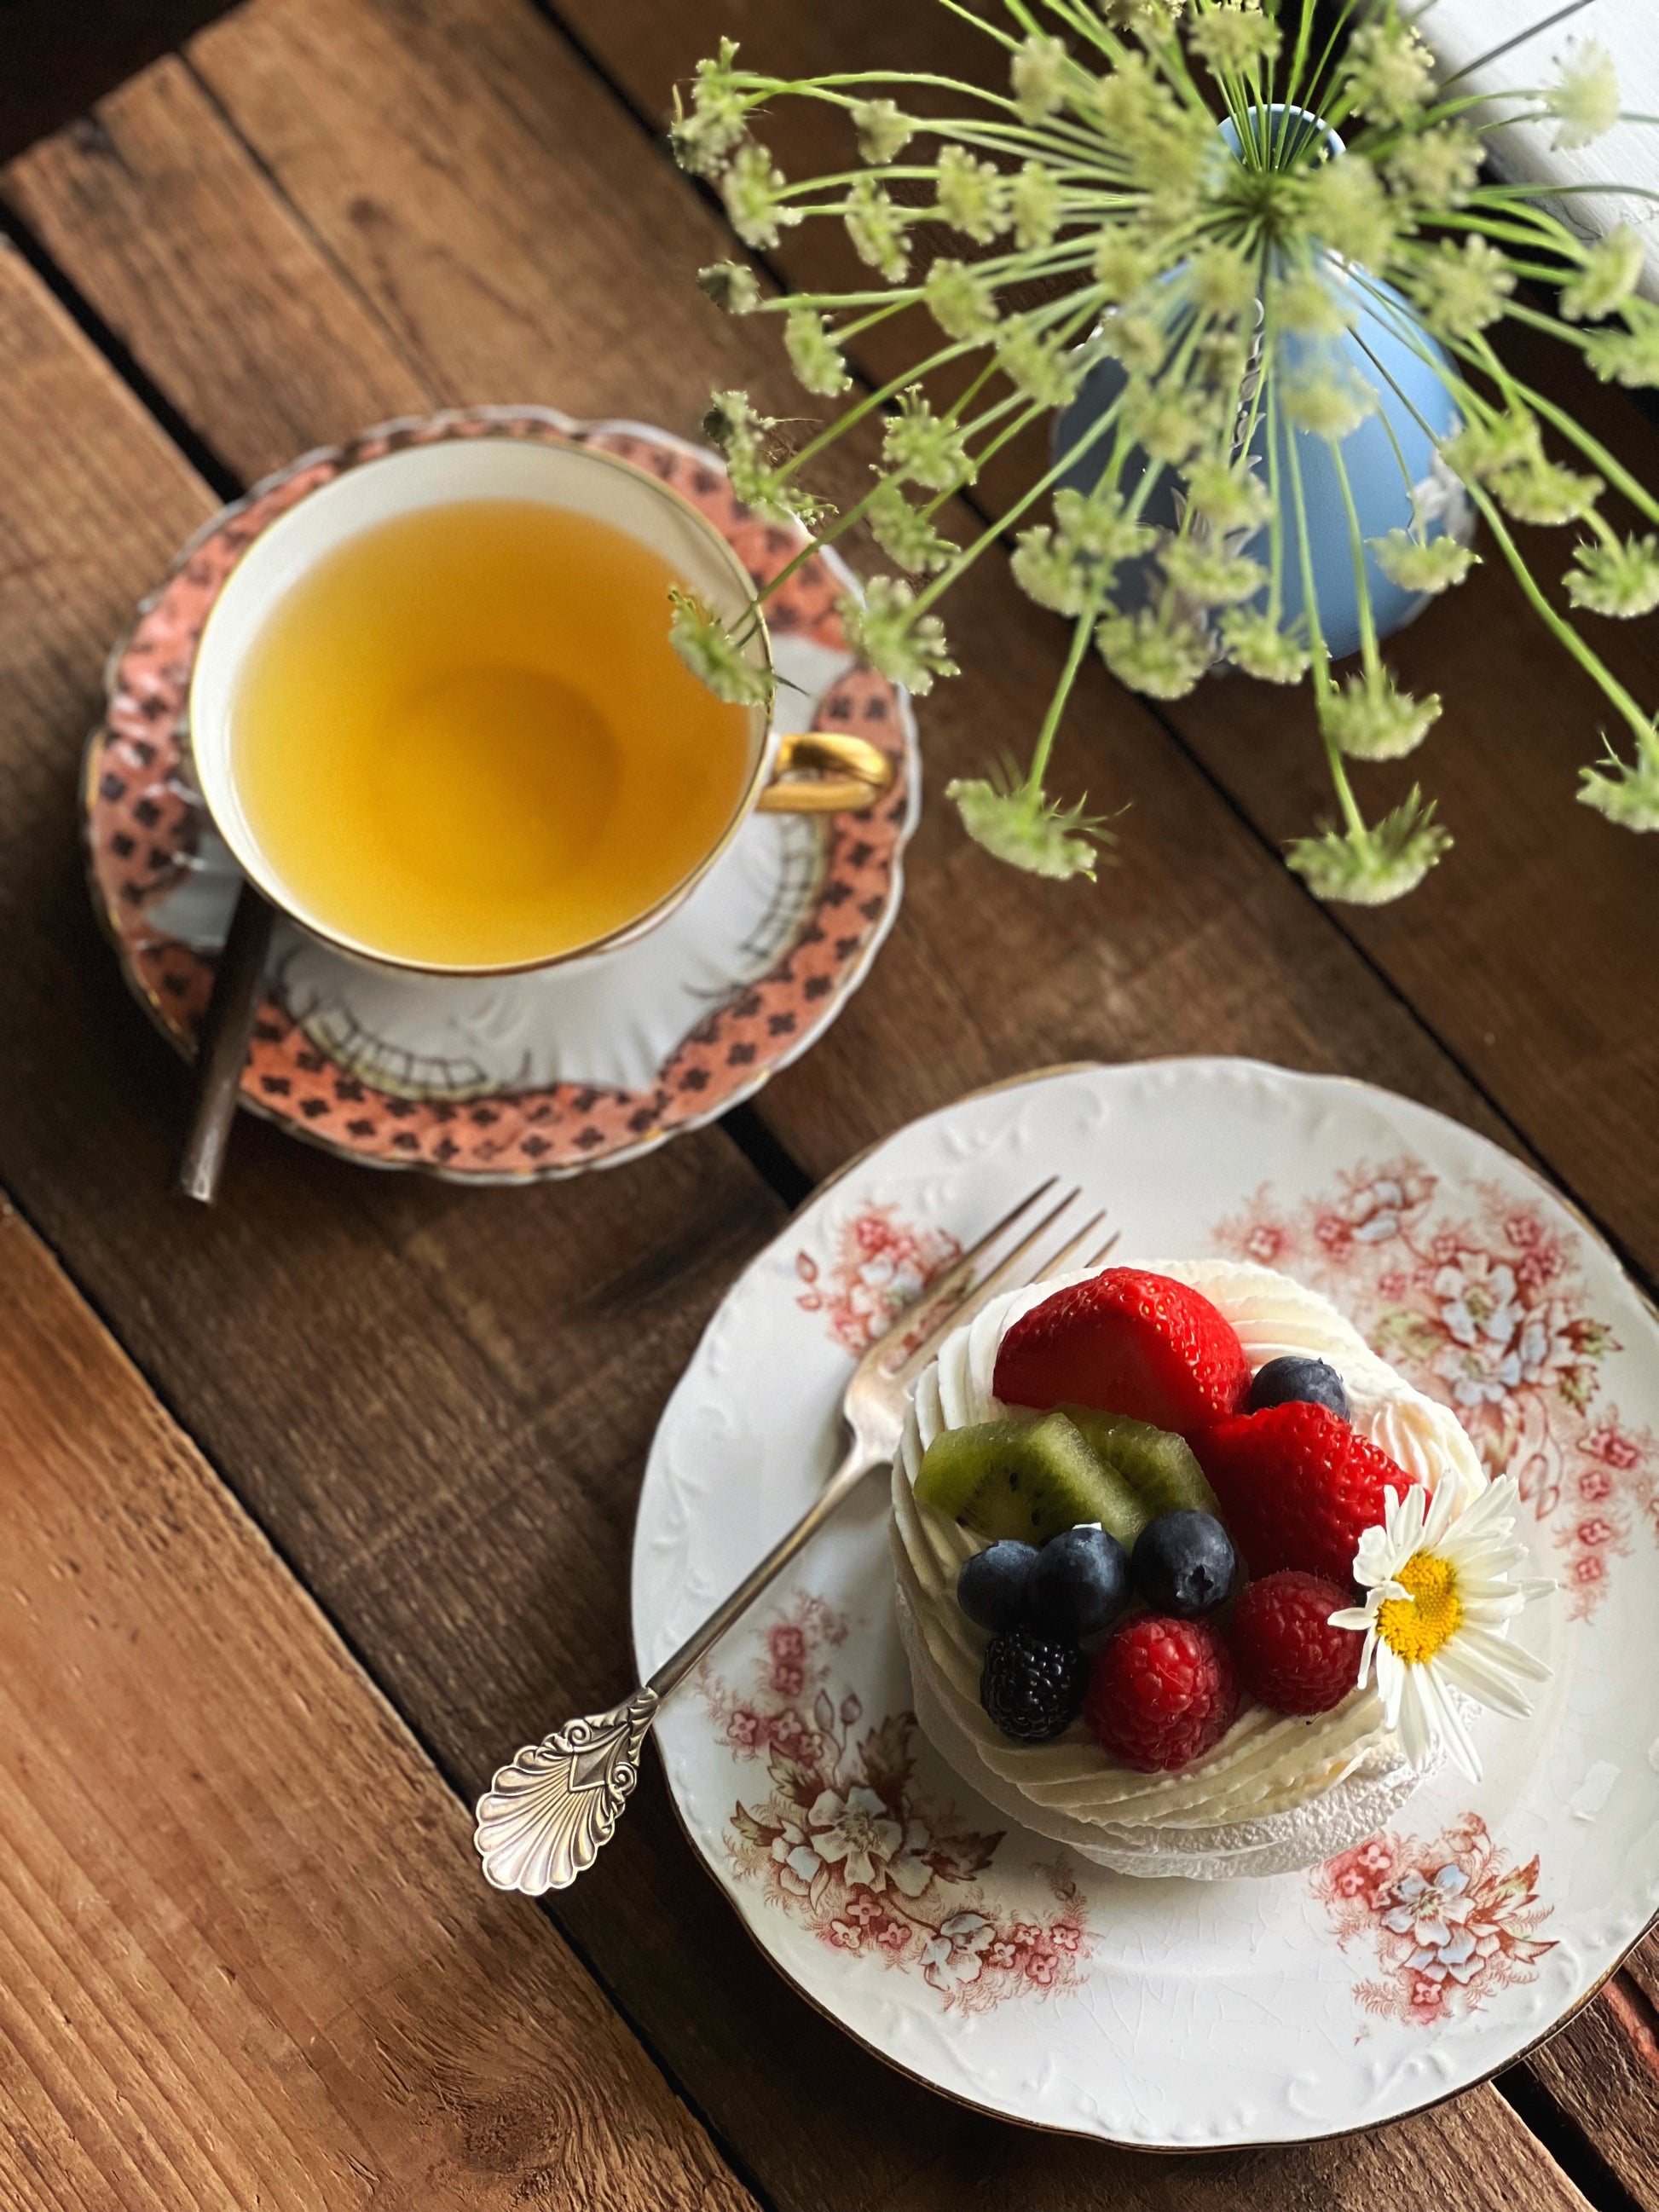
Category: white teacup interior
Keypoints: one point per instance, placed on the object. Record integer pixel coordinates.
(574, 478)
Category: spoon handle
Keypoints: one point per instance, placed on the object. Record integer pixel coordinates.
(222, 1050)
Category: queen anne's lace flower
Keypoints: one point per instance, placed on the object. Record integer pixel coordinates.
(905, 533)
(1417, 564)
(1390, 71)
(973, 195)
(1545, 493)
(1034, 206)
(1422, 565)
(1615, 579)
(1460, 290)
(1040, 366)
(1204, 572)
(752, 192)
(1348, 210)
(1328, 397)
(1229, 495)
(1482, 450)
(719, 119)
(705, 645)
(814, 353)
(1630, 356)
(929, 447)
(1608, 275)
(1037, 74)
(959, 301)
(1308, 304)
(1440, 167)
(1372, 720)
(1165, 659)
(898, 643)
(884, 131)
(1585, 97)
(732, 285)
(1255, 643)
(1021, 826)
(1235, 39)
(1122, 266)
(1626, 793)
(876, 227)
(1373, 867)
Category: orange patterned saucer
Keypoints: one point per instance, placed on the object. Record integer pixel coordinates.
(518, 1079)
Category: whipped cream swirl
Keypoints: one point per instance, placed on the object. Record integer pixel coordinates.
(1276, 1789)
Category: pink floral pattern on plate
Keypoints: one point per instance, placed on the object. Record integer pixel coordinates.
(1452, 1921)
(1479, 1303)
(848, 1843)
(882, 1264)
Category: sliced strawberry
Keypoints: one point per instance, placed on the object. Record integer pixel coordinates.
(1298, 1487)
(1126, 1342)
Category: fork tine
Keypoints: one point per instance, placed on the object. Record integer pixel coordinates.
(1055, 1265)
(946, 1292)
(1109, 1246)
(917, 1349)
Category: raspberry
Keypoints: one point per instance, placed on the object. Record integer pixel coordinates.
(1286, 1651)
(1126, 1342)
(1162, 1692)
(1032, 1686)
(1298, 1487)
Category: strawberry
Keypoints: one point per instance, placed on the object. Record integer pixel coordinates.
(1286, 1651)
(1126, 1342)
(1298, 1487)
(1161, 1692)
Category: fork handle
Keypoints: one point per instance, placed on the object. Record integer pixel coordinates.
(548, 1814)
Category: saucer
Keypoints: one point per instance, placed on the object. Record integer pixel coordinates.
(514, 1078)
(994, 1964)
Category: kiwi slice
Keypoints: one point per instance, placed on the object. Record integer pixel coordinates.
(1031, 1479)
(1160, 1467)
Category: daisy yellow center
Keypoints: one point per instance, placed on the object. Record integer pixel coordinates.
(1415, 1627)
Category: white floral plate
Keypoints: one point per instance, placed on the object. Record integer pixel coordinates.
(985, 1960)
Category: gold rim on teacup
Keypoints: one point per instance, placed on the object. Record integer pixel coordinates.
(812, 772)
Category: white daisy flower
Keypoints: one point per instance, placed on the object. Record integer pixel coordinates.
(1440, 1592)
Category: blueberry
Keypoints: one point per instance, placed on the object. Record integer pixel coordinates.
(1079, 1584)
(1032, 1686)
(1291, 1378)
(992, 1586)
(1184, 1564)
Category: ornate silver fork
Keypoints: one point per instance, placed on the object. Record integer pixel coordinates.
(545, 1817)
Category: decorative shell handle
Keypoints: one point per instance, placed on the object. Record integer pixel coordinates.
(546, 1818)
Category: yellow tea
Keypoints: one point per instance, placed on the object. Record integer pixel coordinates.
(463, 739)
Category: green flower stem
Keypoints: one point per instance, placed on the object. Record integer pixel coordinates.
(1323, 684)
(1082, 632)
(1276, 521)
(1587, 658)
(1362, 582)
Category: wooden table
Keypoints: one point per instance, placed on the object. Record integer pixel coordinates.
(312, 1506)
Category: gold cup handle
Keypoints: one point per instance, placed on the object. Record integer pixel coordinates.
(819, 773)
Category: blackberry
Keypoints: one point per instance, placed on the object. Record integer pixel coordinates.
(1032, 1686)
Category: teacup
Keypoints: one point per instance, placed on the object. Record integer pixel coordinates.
(475, 477)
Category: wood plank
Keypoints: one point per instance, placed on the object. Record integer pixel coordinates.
(1545, 922)
(830, 2128)
(439, 1401)
(245, 1957)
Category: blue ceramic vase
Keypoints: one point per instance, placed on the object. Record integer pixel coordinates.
(1414, 411)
